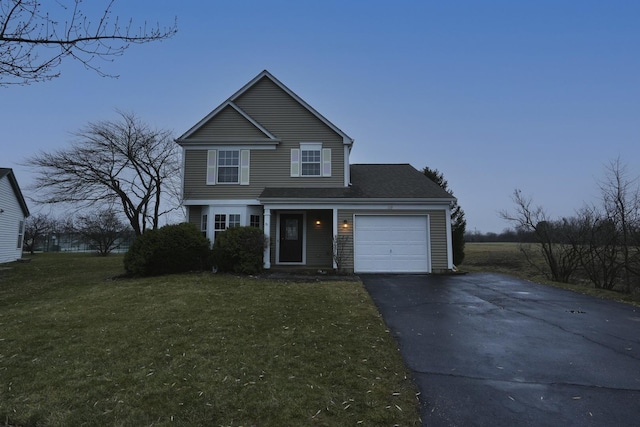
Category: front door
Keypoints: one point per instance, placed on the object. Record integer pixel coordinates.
(291, 230)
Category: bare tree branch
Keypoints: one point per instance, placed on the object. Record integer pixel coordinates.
(34, 39)
(123, 162)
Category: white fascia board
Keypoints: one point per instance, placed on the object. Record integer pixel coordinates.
(341, 202)
(371, 206)
(218, 202)
(347, 166)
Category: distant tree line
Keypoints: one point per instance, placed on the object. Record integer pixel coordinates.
(507, 235)
(99, 231)
(599, 244)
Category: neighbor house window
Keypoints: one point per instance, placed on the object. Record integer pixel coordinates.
(20, 234)
(310, 161)
(219, 224)
(254, 221)
(228, 166)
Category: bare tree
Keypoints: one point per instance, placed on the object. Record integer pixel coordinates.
(621, 202)
(122, 162)
(560, 257)
(102, 229)
(596, 241)
(35, 37)
(35, 229)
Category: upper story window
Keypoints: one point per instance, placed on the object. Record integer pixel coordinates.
(311, 160)
(227, 166)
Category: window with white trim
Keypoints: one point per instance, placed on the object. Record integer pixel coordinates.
(228, 166)
(254, 221)
(311, 160)
(20, 234)
(203, 225)
(219, 224)
(234, 220)
(223, 221)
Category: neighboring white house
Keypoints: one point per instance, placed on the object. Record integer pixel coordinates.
(13, 213)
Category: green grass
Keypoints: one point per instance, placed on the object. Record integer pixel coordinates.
(80, 346)
(506, 258)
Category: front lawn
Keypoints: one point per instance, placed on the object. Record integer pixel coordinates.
(80, 346)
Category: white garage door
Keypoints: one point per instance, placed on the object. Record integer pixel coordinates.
(391, 244)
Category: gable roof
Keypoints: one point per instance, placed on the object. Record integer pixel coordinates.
(230, 102)
(8, 172)
(372, 181)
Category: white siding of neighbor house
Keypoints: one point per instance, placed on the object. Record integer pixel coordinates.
(9, 222)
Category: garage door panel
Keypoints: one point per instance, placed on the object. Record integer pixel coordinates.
(391, 243)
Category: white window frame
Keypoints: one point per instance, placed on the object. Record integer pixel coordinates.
(226, 166)
(203, 224)
(316, 149)
(255, 221)
(20, 234)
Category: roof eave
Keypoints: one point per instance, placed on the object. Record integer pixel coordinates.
(359, 200)
(16, 189)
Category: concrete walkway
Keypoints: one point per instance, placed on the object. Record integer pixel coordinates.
(491, 350)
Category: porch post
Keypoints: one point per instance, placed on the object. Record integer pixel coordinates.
(334, 241)
(267, 231)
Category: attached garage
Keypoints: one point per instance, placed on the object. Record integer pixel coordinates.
(391, 244)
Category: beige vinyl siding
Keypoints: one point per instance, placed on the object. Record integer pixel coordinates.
(347, 233)
(292, 123)
(268, 168)
(285, 118)
(228, 123)
(319, 238)
(437, 233)
(195, 216)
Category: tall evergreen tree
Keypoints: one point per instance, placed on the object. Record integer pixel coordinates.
(458, 223)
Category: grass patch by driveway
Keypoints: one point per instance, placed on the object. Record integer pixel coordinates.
(78, 347)
(507, 258)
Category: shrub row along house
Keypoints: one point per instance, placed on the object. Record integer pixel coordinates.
(13, 213)
(266, 158)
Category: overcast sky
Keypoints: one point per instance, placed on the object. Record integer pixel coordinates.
(497, 95)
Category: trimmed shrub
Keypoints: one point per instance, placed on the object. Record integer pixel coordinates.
(240, 250)
(174, 248)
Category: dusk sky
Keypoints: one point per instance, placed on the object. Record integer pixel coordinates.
(497, 95)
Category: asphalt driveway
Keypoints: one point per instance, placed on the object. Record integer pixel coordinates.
(488, 349)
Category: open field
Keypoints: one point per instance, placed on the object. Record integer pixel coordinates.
(507, 258)
(80, 346)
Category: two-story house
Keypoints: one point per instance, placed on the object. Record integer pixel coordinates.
(265, 158)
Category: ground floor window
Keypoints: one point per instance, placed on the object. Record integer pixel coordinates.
(203, 225)
(219, 224)
(223, 221)
(20, 234)
(234, 220)
(254, 221)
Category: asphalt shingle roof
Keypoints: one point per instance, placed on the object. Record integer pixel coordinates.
(371, 181)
